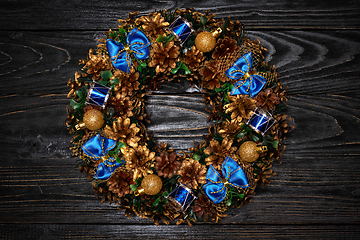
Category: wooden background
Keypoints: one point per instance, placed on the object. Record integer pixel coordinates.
(315, 46)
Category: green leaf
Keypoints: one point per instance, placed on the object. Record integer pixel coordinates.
(255, 138)
(122, 31)
(75, 104)
(120, 145)
(196, 157)
(241, 195)
(275, 144)
(165, 193)
(118, 160)
(172, 181)
(112, 35)
(133, 187)
(228, 203)
(115, 81)
(156, 202)
(106, 74)
(111, 111)
(203, 20)
(81, 93)
(159, 38)
(103, 82)
(241, 135)
(225, 116)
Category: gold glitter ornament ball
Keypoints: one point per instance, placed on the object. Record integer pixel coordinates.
(248, 151)
(151, 184)
(93, 119)
(205, 41)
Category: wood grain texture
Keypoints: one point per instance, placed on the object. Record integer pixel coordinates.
(42, 232)
(316, 192)
(285, 14)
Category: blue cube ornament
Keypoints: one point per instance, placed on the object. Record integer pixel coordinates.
(181, 29)
(98, 95)
(181, 197)
(261, 121)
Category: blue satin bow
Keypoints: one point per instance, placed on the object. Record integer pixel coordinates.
(137, 43)
(215, 188)
(252, 84)
(97, 147)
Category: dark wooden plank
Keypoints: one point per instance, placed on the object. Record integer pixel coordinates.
(323, 62)
(315, 193)
(285, 14)
(40, 232)
(306, 190)
(316, 183)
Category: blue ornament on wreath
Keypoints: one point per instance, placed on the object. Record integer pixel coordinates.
(251, 83)
(137, 44)
(234, 176)
(98, 147)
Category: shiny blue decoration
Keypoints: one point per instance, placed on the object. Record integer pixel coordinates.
(98, 95)
(181, 197)
(137, 44)
(181, 29)
(215, 188)
(97, 147)
(261, 121)
(252, 83)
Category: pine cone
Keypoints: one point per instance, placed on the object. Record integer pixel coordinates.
(127, 82)
(280, 92)
(153, 24)
(166, 164)
(267, 100)
(123, 130)
(164, 58)
(154, 83)
(120, 183)
(225, 46)
(218, 152)
(129, 21)
(281, 126)
(95, 64)
(122, 104)
(229, 128)
(74, 85)
(234, 29)
(138, 160)
(203, 207)
(193, 59)
(241, 107)
(211, 76)
(192, 173)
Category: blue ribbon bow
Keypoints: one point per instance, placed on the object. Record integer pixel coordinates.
(252, 83)
(215, 188)
(97, 147)
(137, 43)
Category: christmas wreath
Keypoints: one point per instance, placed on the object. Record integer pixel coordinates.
(107, 116)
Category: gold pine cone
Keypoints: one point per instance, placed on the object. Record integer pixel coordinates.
(120, 183)
(241, 107)
(167, 164)
(193, 59)
(163, 57)
(218, 152)
(153, 24)
(225, 46)
(123, 130)
(138, 160)
(267, 100)
(211, 75)
(192, 173)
